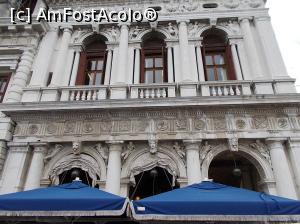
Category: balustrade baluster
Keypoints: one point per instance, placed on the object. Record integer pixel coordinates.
(94, 97)
(89, 95)
(231, 91)
(72, 96)
(219, 91)
(213, 91)
(164, 92)
(225, 90)
(77, 95)
(147, 94)
(237, 91)
(83, 95)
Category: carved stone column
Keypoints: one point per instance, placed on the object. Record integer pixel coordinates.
(236, 61)
(58, 73)
(108, 65)
(284, 180)
(251, 49)
(75, 67)
(193, 161)
(271, 49)
(21, 76)
(113, 179)
(119, 78)
(243, 59)
(36, 166)
(186, 73)
(46, 49)
(137, 65)
(170, 63)
(15, 167)
(200, 62)
(294, 151)
(3, 150)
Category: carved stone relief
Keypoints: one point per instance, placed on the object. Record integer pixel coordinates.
(262, 149)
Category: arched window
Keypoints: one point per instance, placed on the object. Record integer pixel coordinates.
(92, 63)
(69, 175)
(217, 58)
(154, 61)
(24, 4)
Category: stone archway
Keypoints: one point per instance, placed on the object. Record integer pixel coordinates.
(142, 160)
(263, 167)
(89, 161)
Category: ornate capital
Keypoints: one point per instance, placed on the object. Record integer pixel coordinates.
(192, 144)
(18, 147)
(40, 147)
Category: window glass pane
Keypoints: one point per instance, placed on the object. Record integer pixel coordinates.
(209, 60)
(159, 76)
(100, 65)
(149, 63)
(148, 77)
(93, 65)
(98, 78)
(158, 62)
(210, 74)
(222, 74)
(219, 59)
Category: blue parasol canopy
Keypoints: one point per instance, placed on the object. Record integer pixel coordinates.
(74, 198)
(212, 201)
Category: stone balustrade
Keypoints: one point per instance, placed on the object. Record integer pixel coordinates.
(167, 90)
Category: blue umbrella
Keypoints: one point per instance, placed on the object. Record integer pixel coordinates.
(211, 201)
(70, 199)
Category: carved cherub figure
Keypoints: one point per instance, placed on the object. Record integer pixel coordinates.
(103, 151)
(52, 152)
(172, 29)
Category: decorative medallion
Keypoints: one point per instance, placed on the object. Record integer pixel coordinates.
(124, 126)
(199, 124)
(69, 127)
(88, 128)
(33, 129)
(282, 123)
(231, 4)
(105, 126)
(162, 125)
(51, 128)
(219, 124)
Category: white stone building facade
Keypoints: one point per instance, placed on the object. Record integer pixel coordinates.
(219, 95)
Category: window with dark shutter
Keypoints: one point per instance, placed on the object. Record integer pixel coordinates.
(92, 63)
(217, 58)
(154, 61)
(4, 80)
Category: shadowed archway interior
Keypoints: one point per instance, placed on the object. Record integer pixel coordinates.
(232, 169)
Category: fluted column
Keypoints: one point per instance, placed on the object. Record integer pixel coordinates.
(75, 67)
(284, 180)
(59, 70)
(200, 63)
(186, 73)
(43, 58)
(21, 76)
(108, 66)
(114, 167)
(271, 49)
(294, 152)
(36, 166)
(170, 63)
(137, 65)
(236, 61)
(251, 49)
(193, 161)
(16, 165)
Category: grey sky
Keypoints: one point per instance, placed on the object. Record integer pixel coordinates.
(285, 19)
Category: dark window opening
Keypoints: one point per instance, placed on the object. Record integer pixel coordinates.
(92, 64)
(210, 5)
(234, 170)
(152, 182)
(217, 58)
(49, 78)
(154, 62)
(4, 80)
(68, 176)
(24, 4)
